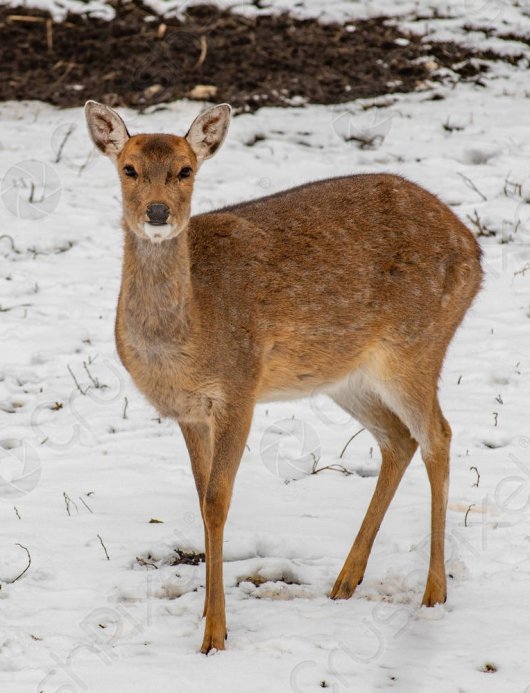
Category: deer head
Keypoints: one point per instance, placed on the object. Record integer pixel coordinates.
(157, 171)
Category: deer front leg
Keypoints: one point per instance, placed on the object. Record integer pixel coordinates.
(229, 438)
(198, 437)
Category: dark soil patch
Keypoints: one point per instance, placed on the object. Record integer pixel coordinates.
(186, 558)
(258, 580)
(140, 59)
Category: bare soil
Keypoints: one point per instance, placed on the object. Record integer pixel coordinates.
(140, 59)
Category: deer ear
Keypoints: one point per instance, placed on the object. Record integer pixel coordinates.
(107, 130)
(208, 131)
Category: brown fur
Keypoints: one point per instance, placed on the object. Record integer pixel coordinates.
(352, 285)
(159, 159)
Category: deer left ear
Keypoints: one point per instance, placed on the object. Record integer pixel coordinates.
(107, 130)
(208, 131)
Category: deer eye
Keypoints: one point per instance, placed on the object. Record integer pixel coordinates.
(185, 172)
(130, 171)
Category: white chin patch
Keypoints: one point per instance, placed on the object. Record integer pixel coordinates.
(157, 234)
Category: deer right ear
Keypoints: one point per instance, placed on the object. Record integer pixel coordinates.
(208, 131)
(107, 130)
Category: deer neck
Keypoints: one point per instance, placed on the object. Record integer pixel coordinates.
(156, 293)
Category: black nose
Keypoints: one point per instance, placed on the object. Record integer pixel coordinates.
(157, 213)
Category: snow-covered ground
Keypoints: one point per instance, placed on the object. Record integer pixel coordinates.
(86, 464)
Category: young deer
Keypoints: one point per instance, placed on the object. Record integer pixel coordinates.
(354, 285)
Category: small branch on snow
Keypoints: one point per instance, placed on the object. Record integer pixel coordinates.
(330, 467)
(472, 185)
(95, 382)
(350, 440)
(104, 547)
(467, 513)
(86, 505)
(483, 230)
(86, 162)
(26, 568)
(512, 188)
(478, 476)
(145, 563)
(64, 141)
(522, 271)
(83, 392)
(68, 501)
(12, 242)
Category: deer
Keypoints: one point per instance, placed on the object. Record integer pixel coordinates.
(353, 286)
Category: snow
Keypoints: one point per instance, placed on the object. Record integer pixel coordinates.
(92, 458)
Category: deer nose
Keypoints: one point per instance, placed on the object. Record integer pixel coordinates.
(157, 213)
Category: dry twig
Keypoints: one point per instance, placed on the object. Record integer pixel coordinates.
(67, 502)
(49, 35)
(104, 547)
(67, 134)
(83, 392)
(27, 567)
(482, 229)
(204, 51)
(12, 242)
(95, 382)
(86, 505)
(24, 18)
(145, 563)
(350, 440)
(467, 513)
(472, 185)
(522, 271)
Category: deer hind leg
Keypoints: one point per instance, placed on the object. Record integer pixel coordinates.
(436, 457)
(415, 402)
(397, 449)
